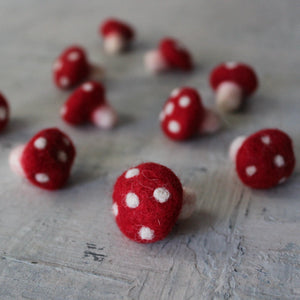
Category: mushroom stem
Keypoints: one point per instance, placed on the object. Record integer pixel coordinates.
(235, 146)
(104, 117)
(188, 205)
(211, 122)
(228, 97)
(15, 160)
(115, 43)
(155, 62)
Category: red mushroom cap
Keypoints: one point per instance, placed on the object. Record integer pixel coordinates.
(175, 54)
(182, 114)
(265, 159)
(82, 102)
(47, 159)
(71, 67)
(147, 200)
(4, 112)
(111, 25)
(241, 74)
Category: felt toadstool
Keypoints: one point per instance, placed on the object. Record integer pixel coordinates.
(46, 160)
(233, 82)
(264, 159)
(88, 104)
(71, 67)
(183, 115)
(147, 201)
(170, 54)
(117, 35)
(4, 112)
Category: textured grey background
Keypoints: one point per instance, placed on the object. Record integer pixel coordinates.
(242, 244)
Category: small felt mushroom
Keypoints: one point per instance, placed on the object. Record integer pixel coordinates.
(183, 115)
(117, 35)
(4, 112)
(46, 160)
(234, 83)
(88, 104)
(148, 200)
(264, 159)
(170, 54)
(71, 67)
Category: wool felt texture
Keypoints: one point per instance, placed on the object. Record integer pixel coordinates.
(47, 159)
(71, 67)
(80, 105)
(4, 112)
(115, 26)
(176, 55)
(155, 209)
(182, 114)
(265, 159)
(239, 73)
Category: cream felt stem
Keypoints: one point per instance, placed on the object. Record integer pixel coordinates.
(115, 43)
(104, 117)
(15, 160)
(235, 146)
(211, 122)
(155, 62)
(228, 97)
(188, 205)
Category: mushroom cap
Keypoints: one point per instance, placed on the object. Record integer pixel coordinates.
(115, 26)
(82, 102)
(239, 73)
(147, 200)
(182, 114)
(176, 55)
(71, 67)
(265, 159)
(47, 159)
(4, 112)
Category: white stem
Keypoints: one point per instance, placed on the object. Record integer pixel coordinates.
(104, 117)
(15, 160)
(235, 146)
(188, 205)
(211, 122)
(228, 97)
(155, 62)
(115, 43)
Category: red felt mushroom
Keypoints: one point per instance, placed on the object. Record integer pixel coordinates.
(264, 159)
(71, 67)
(46, 160)
(4, 112)
(170, 54)
(147, 201)
(183, 115)
(233, 83)
(88, 104)
(117, 35)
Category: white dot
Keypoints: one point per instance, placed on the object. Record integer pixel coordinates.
(146, 233)
(162, 116)
(175, 93)
(161, 195)
(87, 87)
(231, 65)
(132, 200)
(279, 161)
(62, 156)
(115, 209)
(57, 65)
(251, 170)
(63, 110)
(64, 81)
(184, 101)
(41, 177)
(132, 172)
(169, 108)
(266, 139)
(40, 143)
(66, 141)
(282, 180)
(174, 126)
(73, 56)
(3, 113)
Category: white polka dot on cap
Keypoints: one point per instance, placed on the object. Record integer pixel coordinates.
(146, 233)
